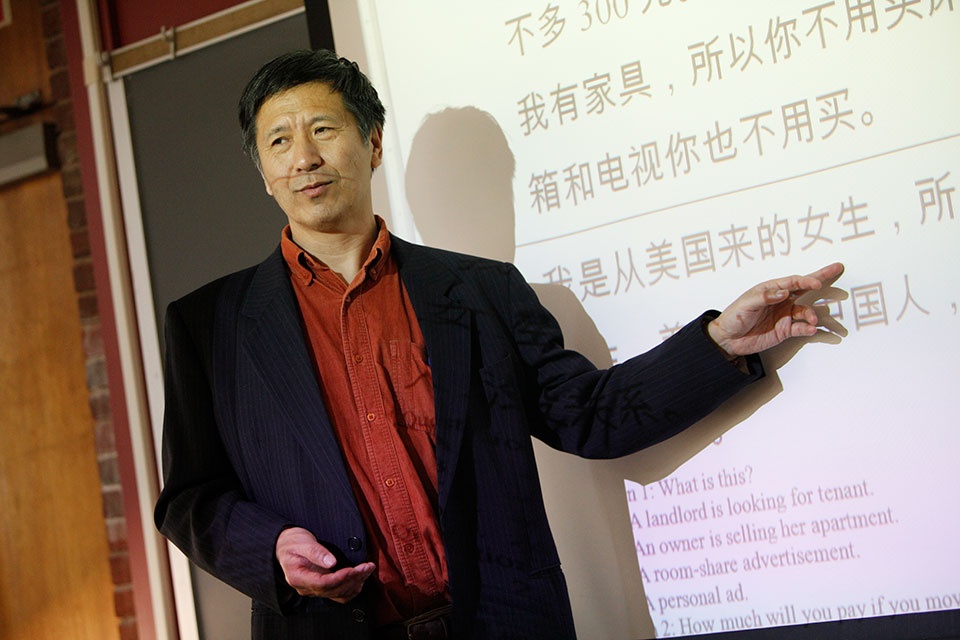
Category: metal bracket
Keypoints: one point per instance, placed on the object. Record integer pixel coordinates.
(169, 34)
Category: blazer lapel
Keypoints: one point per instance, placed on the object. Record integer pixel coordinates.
(272, 336)
(447, 328)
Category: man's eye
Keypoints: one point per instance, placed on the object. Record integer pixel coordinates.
(277, 141)
(321, 130)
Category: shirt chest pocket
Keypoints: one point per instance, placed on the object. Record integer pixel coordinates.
(412, 385)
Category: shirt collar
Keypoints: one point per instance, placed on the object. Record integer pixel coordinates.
(306, 268)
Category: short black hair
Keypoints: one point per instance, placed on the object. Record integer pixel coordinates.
(302, 67)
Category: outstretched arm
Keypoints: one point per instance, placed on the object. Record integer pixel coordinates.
(767, 314)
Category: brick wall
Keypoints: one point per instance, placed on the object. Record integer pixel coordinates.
(99, 392)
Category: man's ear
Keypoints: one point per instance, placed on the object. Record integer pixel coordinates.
(376, 147)
(266, 185)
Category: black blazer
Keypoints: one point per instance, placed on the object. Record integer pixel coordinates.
(248, 448)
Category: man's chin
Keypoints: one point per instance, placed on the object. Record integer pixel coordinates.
(324, 220)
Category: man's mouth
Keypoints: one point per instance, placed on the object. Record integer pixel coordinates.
(315, 187)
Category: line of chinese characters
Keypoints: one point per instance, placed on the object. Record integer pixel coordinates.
(681, 153)
(594, 94)
(707, 251)
(529, 31)
(781, 38)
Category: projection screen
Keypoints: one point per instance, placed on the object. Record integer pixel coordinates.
(652, 159)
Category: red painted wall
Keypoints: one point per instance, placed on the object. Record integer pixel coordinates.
(125, 22)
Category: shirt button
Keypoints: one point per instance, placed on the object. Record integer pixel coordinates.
(408, 548)
(359, 615)
(358, 358)
(389, 482)
(371, 417)
(354, 543)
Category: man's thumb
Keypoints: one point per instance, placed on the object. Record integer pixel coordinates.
(323, 557)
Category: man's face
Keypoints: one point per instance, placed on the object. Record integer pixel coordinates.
(314, 161)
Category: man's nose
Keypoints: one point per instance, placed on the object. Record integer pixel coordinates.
(306, 154)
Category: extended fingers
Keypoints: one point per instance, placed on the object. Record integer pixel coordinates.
(776, 290)
(797, 285)
(828, 274)
(820, 278)
(774, 295)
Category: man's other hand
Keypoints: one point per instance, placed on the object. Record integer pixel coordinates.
(768, 314)
(310, 569)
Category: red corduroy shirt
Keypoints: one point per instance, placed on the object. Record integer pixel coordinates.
(369, 357)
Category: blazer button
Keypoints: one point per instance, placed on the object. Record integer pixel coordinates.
(359, 615)
(354, 543)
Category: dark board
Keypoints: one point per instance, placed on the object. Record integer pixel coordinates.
(205, 211)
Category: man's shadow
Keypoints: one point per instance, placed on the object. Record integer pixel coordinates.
(459, 185)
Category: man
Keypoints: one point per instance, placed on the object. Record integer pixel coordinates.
(347, 429)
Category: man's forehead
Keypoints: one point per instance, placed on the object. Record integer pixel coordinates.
(317, 90)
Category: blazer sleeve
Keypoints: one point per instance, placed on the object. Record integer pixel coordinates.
(632, 405)
(202, 508)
